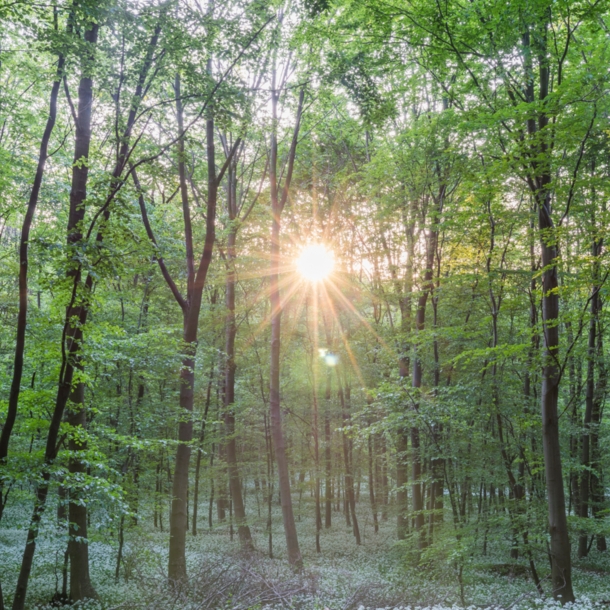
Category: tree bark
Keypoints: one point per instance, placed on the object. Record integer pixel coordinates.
(558, 525)
(585, 444)
(191, 309)
(208, 398)
(328, 489)
(539, 181)
(344, 401)
(372, 481)
(13, 399)
(76, 316)
(597, 488)
(420, 324)
(245, 538)
(277, 204)
(78, 546)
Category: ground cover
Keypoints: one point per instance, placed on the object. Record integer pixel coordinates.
(343, 576)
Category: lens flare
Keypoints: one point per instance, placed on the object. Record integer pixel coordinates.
(315, 263)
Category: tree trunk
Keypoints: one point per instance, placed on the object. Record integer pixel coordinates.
(350, 508)
(211, 501)
(420, 324)
(558, 525)
(318, 511)
(402, 478)
(76, 316)
(208, 398)
(372, 481)
(13, 398)
(78, 545)
(540, 187)
(269, 486)
(585, 444)
(402, 442)
(597, 488)
(277, 204)
(245, 538)
(328, 485)
(191, 310)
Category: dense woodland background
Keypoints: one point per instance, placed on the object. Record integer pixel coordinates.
(186, 421)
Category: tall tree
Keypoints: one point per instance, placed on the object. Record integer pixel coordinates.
(76, 314)
(279, 197)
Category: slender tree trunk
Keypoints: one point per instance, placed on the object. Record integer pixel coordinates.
(245, 538)
(597, 487)
(76, 317)
(211, 501)
(191, 309)
(350, 508)
(208, 398)
(585, 444)
(328, 484)
(13, 398)
(119, 557)
(558, 526)
(78, 545)
(402, 479)
(317, 462)
(420, 324)
(540, 186)
(372, 482)
(80, 584)
(277, 204)
(269, 486)
(402, 441)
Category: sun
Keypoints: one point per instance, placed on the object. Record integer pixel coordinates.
(316, 262)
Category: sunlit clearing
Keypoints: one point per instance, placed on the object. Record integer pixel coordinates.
(316, 262)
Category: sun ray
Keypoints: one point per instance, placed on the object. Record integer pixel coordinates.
(366, 323)
(267, 320)
(348, 349)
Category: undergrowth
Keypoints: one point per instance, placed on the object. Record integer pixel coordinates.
(377, 574)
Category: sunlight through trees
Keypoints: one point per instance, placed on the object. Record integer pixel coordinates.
(303, 304)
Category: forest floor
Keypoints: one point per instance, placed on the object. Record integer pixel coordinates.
(343, 576)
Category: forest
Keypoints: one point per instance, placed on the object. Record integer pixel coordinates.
(303, 304)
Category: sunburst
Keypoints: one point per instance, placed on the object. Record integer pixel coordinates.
(315, 263)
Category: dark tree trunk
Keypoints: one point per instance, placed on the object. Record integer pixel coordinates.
(317, 463)
(558, 525)
(328, 484)
(80, 584)
(350, 501)
(119, 556)
(540, 186)
(76, 316)
(372, 483)
(269, 486)
(597, 488)
(245, 538)
(277, 205)
(420, 324)
(191, 308)
(211, 501)
(78, 545)
(585, 443)
(402, 479)
(208, 398)
(404, 363)
(13, 398)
